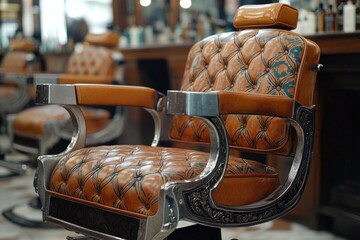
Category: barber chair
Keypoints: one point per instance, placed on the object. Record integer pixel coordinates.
(250, 91)
(47, 129)
(16, 89)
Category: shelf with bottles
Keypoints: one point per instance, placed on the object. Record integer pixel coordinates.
(330, 16)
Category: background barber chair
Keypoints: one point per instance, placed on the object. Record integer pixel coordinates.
(47, 129)
(16, 88)
(249, 90)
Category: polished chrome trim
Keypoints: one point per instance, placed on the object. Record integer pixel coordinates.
(193, 103)
(46, 163)
(157, 125)
(56, 94)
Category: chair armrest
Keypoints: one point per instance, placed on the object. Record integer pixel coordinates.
(199, 206)
(217, 103)
(97, 95)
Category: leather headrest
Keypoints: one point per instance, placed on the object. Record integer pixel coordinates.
(26, 45)
(275, 15)
(109, 39)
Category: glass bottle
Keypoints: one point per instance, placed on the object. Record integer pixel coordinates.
(357, 5)
(349, 17)
(340, 15)
(330, 20)
(320, 18)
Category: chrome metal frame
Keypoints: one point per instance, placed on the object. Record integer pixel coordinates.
(191, 199)
(21, 98)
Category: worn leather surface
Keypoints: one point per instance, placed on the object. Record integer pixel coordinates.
(92, 61)
(266, 16)
(32, 122)
(129, 178)
(253, 61)
(92, 65)
(135, 96)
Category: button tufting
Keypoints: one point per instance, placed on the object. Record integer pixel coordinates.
(278, 88)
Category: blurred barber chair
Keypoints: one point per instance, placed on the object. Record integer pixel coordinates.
(250, 91)
(16, 90)
(43, 130)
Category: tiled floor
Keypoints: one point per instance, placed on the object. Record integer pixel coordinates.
(17, 190)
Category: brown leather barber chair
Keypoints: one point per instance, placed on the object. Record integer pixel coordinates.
(250, 90)
(45, 129)
(16, 88)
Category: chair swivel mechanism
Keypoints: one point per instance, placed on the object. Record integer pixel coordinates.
(16, 88)
(45, 129)
(245, 91)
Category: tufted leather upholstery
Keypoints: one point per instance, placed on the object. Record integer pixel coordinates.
(264, 62)
(93, 61)
(127, 179)
(92, 65)
(254, 61)
(17, 59)
(20, 60)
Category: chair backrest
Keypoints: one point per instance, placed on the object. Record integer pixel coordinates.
(95, 59)
(272, 61)
(21, 53)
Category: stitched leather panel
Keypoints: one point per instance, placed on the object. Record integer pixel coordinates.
(256, 61)
(93, 60)
(32, 122)
(130, 177)
(266, 16)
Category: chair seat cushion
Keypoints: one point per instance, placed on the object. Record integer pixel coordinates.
(32, 122)
(129, 178)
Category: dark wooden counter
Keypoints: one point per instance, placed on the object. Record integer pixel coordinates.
(336, 159)
(337, 42)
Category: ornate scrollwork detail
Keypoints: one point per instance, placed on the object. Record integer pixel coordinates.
(305, 117)
(199, 199)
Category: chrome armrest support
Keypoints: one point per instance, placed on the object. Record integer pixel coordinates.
(66, 95)
(193, 103)
(191, 199)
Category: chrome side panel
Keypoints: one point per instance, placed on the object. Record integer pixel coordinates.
(56, 94)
